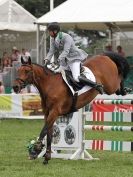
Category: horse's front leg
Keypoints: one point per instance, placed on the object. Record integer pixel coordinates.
(48, 130)
(38, 146)
(53, 115)
(47, 155)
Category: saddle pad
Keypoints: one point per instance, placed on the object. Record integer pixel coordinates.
(89, 75)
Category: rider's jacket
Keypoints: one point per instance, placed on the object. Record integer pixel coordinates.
(68, 51)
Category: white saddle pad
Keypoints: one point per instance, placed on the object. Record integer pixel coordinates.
(89, 75)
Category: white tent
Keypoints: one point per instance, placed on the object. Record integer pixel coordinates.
(17, 27)
(14, 17)
(92, 14)
(115, 15)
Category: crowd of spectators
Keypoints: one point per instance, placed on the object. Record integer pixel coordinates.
(118, 50)
(8, 60)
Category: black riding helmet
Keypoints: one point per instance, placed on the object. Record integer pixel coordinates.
(54, 26)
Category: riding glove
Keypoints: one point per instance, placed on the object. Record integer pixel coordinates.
(58, 70)
(46, 61)
(51, 66)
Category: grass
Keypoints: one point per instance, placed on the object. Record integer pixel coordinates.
(15, 134)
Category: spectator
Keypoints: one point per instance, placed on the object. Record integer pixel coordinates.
(6, 60)
(108, 48)
(14, 56)
(120, 51)
(25, 54)
(2, 88)
(18, 55)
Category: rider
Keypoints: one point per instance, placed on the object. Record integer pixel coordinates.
(70, 57)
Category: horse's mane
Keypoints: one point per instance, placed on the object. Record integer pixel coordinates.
(120, 61)
(45, 69)
(38, 65)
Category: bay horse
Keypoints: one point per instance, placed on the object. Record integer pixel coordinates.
(109, 69)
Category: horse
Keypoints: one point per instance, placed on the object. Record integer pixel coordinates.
(109, 69)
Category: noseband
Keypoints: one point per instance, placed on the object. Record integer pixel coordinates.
(22, 83)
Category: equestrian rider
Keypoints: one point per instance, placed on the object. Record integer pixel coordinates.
(70, 57)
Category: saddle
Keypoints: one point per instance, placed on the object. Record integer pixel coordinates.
(83, 80)
(75, 85)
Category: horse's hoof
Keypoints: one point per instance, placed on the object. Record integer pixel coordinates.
(45, 162)
(47, 156)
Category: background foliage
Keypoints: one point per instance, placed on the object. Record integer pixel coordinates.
(38, 7)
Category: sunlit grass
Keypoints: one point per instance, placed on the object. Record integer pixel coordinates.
(15, 134)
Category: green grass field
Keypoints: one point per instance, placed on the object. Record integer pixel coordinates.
(15, 134)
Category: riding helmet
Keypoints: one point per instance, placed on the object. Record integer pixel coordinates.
(53, 26)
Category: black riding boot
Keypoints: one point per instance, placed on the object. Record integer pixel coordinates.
(98, 87)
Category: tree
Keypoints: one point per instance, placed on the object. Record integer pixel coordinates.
(38, 7)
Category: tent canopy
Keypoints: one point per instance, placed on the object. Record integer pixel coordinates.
(15, 18)
(17, 27)
(93, 15)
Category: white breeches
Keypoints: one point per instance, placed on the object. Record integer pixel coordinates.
(75, 69)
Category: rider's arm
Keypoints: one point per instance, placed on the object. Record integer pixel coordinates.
(51, 50)
(67, 45)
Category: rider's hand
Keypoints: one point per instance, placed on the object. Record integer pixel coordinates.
(46, 61)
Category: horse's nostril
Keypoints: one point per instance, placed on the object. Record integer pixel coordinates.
(16, 88)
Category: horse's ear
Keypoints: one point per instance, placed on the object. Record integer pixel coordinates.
(22, 60)
(29, 60)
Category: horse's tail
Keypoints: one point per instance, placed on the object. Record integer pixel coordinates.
(121, 62)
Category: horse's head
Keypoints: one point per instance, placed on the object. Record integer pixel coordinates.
(25, 75)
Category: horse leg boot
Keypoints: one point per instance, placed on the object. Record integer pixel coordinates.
(48, 150)
(98, 87)
(53, 115)
(124, 90)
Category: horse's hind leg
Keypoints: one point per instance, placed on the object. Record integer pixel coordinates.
(121, 90)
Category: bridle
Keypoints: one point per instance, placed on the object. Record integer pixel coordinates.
(24, 83)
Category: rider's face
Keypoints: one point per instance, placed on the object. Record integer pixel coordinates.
(52, 33)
